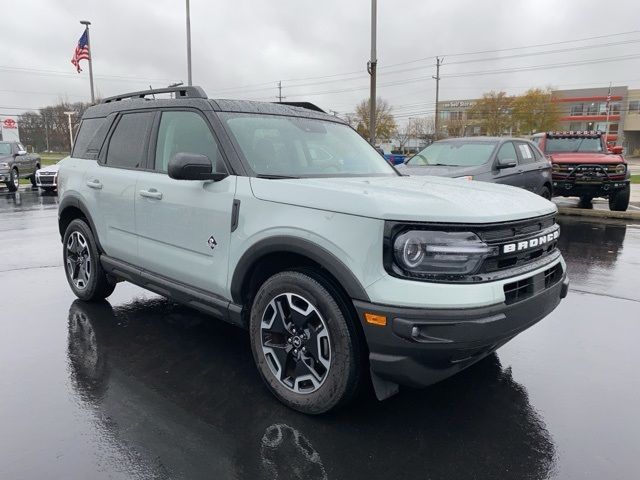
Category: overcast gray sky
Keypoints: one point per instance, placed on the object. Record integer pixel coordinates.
(253, 44)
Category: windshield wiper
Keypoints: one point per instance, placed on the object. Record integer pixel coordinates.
(274, 177)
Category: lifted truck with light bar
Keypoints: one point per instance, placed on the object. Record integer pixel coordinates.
(341, 269)
(583, 166)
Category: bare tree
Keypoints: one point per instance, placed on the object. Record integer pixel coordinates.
(385, 123)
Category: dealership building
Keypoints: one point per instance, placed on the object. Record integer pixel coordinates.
(580, 109)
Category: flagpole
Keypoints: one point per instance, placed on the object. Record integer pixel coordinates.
(86, 24)
(606, 130)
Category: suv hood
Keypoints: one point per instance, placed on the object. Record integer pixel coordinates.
(575, 157)
(420, 199)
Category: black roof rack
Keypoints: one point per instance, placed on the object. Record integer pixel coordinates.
(307, 105)
(181, 92)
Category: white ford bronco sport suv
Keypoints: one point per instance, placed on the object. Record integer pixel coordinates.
(281, 219)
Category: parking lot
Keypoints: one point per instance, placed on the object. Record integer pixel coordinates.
(143, 388)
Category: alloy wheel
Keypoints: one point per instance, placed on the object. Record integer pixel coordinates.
(296, 343)
(16, 179)
(78, 260)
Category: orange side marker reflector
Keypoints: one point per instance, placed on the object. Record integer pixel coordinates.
(375, 319)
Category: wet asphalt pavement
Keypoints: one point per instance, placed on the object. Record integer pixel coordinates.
(140, 388)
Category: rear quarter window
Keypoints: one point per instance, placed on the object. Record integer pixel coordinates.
(86, 133)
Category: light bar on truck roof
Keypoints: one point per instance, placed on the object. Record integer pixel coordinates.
(577, 133)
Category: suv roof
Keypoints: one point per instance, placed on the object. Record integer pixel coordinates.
(196, 97)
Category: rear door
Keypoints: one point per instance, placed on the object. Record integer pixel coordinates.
(111, 184)
(527, 163)
(512, 175)
(184, 226)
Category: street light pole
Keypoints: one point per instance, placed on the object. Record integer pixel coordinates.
(372, 71)
(68, 114)
(189, 80)
(86, 24)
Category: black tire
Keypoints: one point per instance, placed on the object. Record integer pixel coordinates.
(342, 377)
(93, 284)
(545, 192)
(619, 201)
(33, 177)
(12, 184)
(585, 202)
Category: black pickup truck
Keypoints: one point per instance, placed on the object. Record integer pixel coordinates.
(16, 163)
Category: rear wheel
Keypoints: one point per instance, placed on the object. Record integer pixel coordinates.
(305, 343)
(14, 180)
(619, 201)
(85, 275)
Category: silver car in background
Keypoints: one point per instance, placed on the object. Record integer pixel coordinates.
(47, 178)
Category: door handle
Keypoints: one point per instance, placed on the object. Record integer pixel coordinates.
(151, 193)
(95, 183)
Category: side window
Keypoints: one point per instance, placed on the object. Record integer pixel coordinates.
(185, 132)
(128, 143)
(507, 152)
(526, 155)
(88, 129)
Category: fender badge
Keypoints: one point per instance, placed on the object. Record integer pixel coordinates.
(212, 242)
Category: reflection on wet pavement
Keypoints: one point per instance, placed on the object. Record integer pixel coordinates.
(164, 356)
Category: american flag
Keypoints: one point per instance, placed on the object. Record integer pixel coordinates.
(82, 51)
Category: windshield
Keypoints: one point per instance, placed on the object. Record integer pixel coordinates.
(454, 154)
(5, 149)
(578, 144)
(279, 146)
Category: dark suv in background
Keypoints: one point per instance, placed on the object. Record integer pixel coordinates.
(505, 160)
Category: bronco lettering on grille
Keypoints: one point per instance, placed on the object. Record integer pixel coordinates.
(530, 243)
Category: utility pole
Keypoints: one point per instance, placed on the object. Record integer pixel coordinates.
(46, 131)
(437, 79)
(86, 24)
(280, 97)
(189, 80)
(68, 114)
(371, 68)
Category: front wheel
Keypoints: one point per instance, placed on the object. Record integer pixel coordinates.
(304, 342)
(619, 201)
(545, 192)
(85, 275)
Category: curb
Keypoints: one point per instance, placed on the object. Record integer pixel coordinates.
(583, 212)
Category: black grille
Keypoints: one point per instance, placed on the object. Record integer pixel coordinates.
(48, 180)
(525, 288)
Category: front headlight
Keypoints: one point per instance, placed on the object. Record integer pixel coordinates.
(621, 168)
(430, 252)
(4, 165)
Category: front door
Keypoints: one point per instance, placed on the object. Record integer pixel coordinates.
(184, 226)
(512, 175)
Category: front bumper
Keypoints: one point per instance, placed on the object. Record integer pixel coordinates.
(563, 187)
(418, 347)
(46, 181)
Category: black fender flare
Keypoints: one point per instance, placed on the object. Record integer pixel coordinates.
(74, 201)
(300, 246)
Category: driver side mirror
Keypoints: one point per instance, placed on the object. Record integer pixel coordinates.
(193, 166)
(503, 163)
